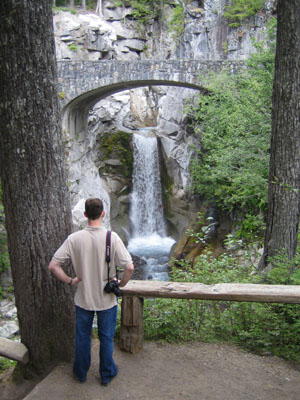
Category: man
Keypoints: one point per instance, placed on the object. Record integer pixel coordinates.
(86, 249)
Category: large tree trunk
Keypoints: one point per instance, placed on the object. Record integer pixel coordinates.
(99, 7)
(35, 193)
(284, 178)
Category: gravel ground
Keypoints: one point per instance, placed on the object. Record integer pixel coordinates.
(197, 371)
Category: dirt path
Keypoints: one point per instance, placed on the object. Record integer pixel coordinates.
(195, 371)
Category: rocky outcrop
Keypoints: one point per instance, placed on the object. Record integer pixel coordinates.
(117, 35)
(8, 318)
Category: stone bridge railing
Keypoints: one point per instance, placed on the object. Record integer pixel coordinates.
(77, 78)
(83, 83)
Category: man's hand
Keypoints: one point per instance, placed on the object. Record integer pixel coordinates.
(126, 275)
(56, 268)
(75, 281)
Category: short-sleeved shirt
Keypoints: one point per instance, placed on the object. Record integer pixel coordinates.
(86, 250)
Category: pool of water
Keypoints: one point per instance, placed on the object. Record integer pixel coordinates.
(155, 251)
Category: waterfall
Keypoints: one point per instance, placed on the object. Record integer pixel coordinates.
(149, 240)
(146, 202)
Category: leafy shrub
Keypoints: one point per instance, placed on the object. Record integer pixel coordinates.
(233, 123)
(239, 10)
(145, 10)
(177, 21)
(263, 328)
(6, 364)
(4, 257)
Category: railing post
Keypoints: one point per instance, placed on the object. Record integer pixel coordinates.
(131, 334)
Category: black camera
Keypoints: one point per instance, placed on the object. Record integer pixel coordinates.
(113, 287)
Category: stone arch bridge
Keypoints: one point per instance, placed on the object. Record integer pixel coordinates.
(83, 83)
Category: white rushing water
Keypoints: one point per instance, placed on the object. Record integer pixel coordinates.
(149, 240)
(146, 200)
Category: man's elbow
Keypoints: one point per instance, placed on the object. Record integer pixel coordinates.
(52, 266)
(130, 268)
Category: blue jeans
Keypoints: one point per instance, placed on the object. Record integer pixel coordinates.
(106, 321)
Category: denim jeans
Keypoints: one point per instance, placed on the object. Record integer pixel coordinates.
(106, 321)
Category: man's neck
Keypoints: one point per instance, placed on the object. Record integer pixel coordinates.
(95, 222)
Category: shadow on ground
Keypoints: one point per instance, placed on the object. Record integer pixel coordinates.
(197, 371)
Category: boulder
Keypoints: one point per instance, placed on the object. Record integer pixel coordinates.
(8, 328)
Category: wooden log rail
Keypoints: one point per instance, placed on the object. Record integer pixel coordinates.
(14, 350)
(131, 334)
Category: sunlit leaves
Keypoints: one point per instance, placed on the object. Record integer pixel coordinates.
(233, 125)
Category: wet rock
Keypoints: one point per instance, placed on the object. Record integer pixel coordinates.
(139, 263)
(8, 329)
(8, 319)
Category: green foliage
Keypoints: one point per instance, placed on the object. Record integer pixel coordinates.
(58, 9)
(198, 234)
(73, 47)
(145, 10)
(177, 21)
(172, 320)
(284, 271)
(4, 257)
(225, 47)
(262, 328)
(252, 228)
(117, 144)
(233, 123)
(65, 4)
(209, 270)
(6, 364)
(239, 10)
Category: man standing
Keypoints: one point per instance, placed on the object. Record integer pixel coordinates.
(86, 249)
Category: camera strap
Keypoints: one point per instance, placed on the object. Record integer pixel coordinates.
(107, 252)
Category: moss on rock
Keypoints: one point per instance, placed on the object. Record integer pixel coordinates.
(117, 145)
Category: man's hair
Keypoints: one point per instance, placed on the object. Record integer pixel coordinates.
(93, 208)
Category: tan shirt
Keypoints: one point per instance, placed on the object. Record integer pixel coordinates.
(86, 249)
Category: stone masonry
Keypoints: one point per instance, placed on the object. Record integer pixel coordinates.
(90, 81)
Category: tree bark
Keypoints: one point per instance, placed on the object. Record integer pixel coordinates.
(99, 7)
(284, 176)
(35, 193)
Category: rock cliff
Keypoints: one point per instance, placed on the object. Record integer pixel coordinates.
(95, 167)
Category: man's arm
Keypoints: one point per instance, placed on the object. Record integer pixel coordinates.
(56, 269)
(126, 275)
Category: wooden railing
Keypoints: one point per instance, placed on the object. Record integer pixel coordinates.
(131, 334)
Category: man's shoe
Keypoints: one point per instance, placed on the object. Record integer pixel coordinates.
(106, 383)
(78, 379)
